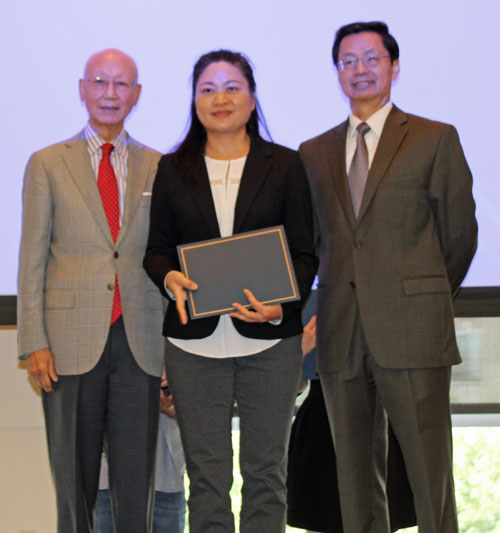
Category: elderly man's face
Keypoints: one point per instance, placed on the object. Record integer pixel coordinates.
(109, 91)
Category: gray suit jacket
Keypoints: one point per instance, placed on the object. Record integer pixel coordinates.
(406, 254)
(68, 261)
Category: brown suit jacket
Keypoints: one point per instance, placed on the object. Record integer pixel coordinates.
(405, 256)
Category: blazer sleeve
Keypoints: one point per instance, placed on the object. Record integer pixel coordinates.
(453, 206)
(298, 223)
(33, 256)
(161, 250)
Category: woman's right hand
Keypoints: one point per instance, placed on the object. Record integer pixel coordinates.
(177, 283)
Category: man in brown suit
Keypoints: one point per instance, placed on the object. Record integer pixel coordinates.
(395, 214)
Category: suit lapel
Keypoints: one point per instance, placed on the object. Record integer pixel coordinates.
(338, 170)
(137, 174)
(77, 160)
(395, 130)
(257, 167)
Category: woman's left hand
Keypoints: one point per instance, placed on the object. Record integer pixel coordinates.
(260, 313)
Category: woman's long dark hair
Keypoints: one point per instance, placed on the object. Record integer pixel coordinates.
(188, 151)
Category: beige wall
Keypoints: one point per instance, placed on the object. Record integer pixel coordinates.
(27, 497)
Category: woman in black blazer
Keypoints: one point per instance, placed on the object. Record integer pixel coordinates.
(225, 179)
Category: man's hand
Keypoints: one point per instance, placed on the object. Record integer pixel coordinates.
(261, 313)
(309, 336)
(178, 283)
(167, 405)
(166, 402)
(42, 370)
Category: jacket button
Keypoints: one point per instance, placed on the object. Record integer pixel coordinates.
(358, 244)
(352, 284)
(116, 255)
(111, 286)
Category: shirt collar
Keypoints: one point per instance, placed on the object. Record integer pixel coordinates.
(94, 141)
(375, 121)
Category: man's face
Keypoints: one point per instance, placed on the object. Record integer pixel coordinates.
(109, 90)
(368, 73)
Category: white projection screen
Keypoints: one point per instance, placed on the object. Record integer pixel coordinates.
(449, 72)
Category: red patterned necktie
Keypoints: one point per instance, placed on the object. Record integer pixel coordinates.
(108, 187)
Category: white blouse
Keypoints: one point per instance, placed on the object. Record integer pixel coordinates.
(225, 341)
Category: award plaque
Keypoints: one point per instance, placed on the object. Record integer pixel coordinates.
(255, 260)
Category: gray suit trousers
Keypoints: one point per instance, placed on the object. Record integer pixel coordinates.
(117, 404)
(264, 386)
(417, 404)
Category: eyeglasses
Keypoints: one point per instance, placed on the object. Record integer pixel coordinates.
(370, 61)
(99, 85)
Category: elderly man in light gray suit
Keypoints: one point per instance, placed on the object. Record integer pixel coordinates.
(393, 199)
(89, 319)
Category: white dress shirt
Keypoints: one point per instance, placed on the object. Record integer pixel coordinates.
(372, 137)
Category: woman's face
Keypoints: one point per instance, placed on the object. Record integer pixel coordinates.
(223, 99)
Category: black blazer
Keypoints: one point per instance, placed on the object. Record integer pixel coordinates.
(273, 191)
